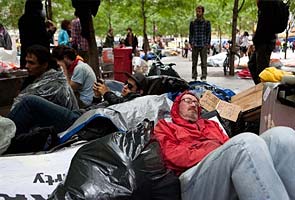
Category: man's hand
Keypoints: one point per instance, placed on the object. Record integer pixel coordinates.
(100, 89)
(64, 69)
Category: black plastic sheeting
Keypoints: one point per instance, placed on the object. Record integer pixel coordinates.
(120, 166)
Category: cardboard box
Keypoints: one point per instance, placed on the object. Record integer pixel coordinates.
(226, 110)
(249, 99)
(273, 111)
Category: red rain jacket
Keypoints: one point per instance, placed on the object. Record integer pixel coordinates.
(184, 144)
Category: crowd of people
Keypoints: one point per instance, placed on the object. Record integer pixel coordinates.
(61, 87)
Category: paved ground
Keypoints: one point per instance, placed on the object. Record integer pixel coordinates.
(215, 74)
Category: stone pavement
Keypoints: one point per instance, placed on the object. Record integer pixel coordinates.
(215, 74)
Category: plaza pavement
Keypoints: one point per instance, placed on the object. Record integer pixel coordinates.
(215, 74)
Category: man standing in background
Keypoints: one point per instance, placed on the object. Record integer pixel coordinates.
(131, 40)
(199, 39)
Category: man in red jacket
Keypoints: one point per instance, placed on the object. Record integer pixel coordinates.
(246, 166)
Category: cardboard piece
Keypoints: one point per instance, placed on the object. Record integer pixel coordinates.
(226, 110)
(249, 99)
(273, 112)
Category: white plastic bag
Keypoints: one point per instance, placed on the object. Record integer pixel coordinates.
(7, 132)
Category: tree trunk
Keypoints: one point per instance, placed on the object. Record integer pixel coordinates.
(286, 39)
(145, 38)
(110, 14)
(233, 46)
(92, 50)
(220, 39)
(48, 8)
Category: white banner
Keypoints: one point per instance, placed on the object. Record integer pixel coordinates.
(33, 176)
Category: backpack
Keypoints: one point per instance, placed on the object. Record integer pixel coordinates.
(281, 16)
(163, 84)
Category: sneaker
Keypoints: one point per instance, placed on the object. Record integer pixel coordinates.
(194, 78)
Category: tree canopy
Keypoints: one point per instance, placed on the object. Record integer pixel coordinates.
(168, 17)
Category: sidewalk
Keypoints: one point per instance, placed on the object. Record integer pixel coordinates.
(215, 74)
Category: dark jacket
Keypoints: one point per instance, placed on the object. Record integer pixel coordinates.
(134, 42)
(111, 98)
(264, 32)
(109, 42)
(32, 30)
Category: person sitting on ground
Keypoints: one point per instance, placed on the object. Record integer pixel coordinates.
(80, 75)
(246, 166)
(27, 114)
(45, 80)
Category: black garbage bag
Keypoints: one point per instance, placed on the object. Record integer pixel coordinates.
(38, 139)
(97, 128)
(158, 68)
(120, 166)
(162, 84)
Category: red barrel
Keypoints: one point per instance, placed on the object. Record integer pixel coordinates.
(122, 63)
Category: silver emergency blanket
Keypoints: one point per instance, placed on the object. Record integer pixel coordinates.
(125, 115)
(53, 86)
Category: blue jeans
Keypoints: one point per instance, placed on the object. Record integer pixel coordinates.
(34, 111)
(246, 167)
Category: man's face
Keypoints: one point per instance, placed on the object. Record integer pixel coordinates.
(188, 107)
(33, 66)
(199, 12)
(129, 86)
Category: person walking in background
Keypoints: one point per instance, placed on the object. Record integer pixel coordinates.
(244, 44)
(63, 36)
(264, 39)
(199, 39)
(32, 28)
(277, 45)
(79, 43)
(131, 40)
(5, 40)
(109, 41)
(186, 48)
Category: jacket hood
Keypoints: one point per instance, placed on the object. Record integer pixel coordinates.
(175, 109)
